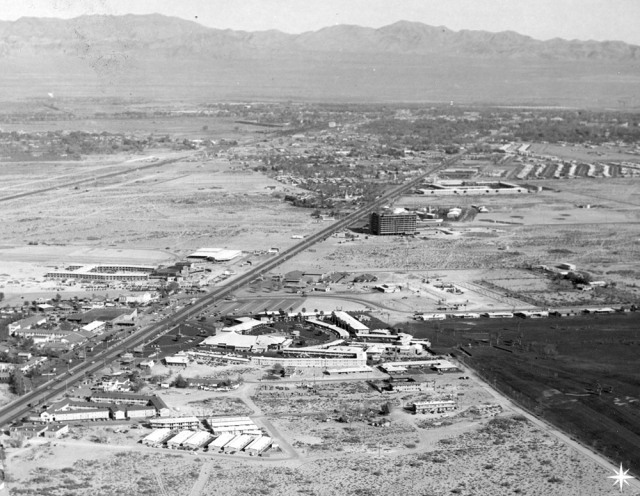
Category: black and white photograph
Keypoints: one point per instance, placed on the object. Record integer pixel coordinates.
(319, 248)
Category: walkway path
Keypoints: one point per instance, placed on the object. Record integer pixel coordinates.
(203, 478)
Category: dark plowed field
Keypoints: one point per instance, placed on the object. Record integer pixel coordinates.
(580, 373)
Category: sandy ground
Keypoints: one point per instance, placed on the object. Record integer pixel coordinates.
(148, 217)
(181, 207)
(176, 208)
(459, 453)
(159, 215)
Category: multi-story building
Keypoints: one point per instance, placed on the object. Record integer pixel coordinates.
(141, 411)
(434, 406)
(382, 223)
(182, 423)
(357, 360)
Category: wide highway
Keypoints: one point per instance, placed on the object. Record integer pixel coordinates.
(58, 385)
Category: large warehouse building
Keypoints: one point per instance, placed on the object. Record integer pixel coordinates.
(103, 272)
(388, 223)
(215, 254)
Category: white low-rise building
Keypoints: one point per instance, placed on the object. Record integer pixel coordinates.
(351, 323)
(95, 327)
(199, 440)
(259, 445)
(434, 406)
(157, 437)
(177, 440)
(241, 342)
(237, 425)
(359, 360)
(238, 443)
(221, 441)
(177, 360)
(176, 423)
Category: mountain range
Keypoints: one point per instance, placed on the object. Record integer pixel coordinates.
(157, 56)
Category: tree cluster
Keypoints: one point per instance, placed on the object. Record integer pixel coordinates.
(19, 383)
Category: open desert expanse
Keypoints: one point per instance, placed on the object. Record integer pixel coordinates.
(393, 250)
(148, 217)
(178, 208)
(463, 452)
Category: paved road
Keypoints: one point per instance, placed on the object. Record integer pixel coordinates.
(56, 387)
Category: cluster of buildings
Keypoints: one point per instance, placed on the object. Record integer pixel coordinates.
(62, 330)
(104, 405)
(196, 271)
(224, 434)
(30, 431)
(436, 364)
(460, 187)
(26, 362)
(103, 272)
(524, 314)
(353, 346)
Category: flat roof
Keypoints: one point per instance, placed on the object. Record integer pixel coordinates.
(394, 368)
(350, 321)
(321, 323)
(218, 254)
(350, 370)
(173, 420)
(432, 402)
(444, 364)
(92, 326)
(245, 325)
(140, 408)
(177, 359)
(232, 338)
(412, 363)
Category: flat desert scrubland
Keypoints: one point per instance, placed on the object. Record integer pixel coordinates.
(148, 216)
(594, 247)
(505, 456)
(464, 452)
(183, 206)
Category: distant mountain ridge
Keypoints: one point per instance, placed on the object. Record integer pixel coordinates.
(159, 57)
(173, 36)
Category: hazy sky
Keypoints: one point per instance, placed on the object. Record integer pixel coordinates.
(542, 19)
